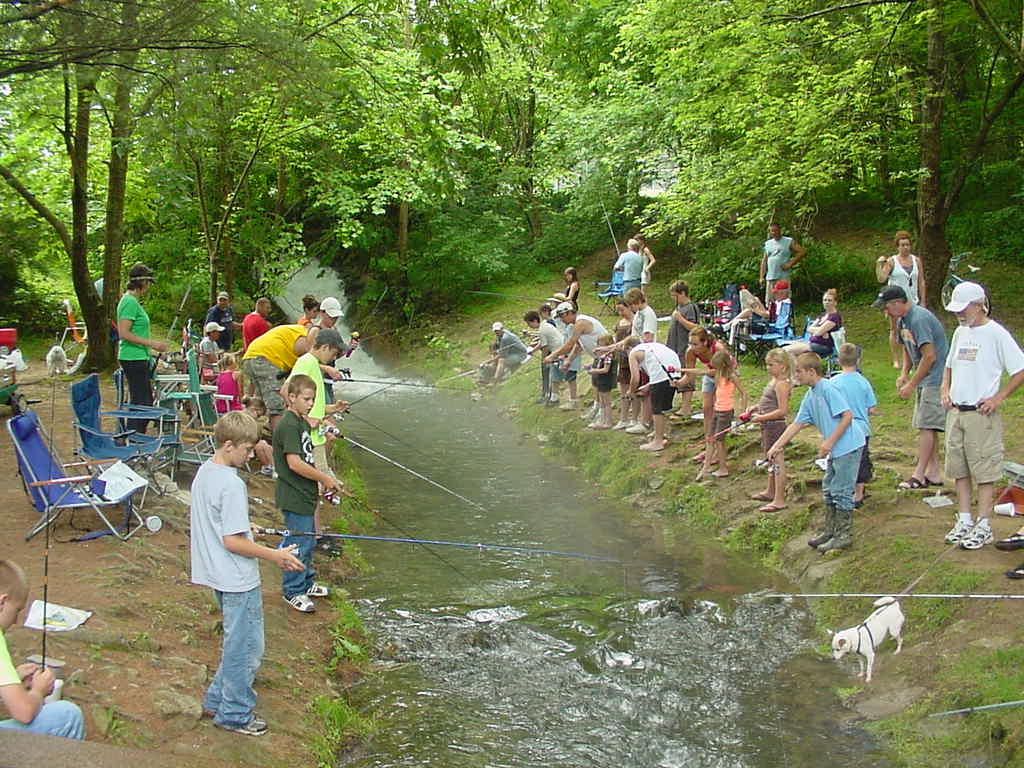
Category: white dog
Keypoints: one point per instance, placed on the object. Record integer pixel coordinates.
(886, 619)
(56, 360)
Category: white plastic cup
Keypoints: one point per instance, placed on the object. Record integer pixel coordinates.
(154, 523)
(55, 694)
(1006, 509)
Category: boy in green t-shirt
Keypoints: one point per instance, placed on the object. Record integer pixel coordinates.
(23, 689)
(296, 492)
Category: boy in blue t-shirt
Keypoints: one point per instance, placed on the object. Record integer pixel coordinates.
(861, 397)
(224, 559)
(826, 407)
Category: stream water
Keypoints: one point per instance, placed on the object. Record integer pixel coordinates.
(507, 659)
(510, 659)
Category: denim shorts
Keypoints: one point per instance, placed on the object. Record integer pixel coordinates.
(707, 383)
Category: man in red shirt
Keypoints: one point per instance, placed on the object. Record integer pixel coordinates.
(255, 323)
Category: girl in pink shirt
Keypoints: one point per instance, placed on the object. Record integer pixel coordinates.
(727, 384)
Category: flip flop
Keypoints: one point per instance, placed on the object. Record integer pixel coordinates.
(1016, 573)
(913, 484)
(1014, 541)
(760, 497)
(771, 508)
(720, 474)
(937, 484)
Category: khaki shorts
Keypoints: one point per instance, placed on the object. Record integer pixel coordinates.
(928, 410)
(974, 446)
(264, 377)
(320, 460)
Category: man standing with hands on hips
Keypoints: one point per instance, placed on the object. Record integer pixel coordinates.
(781, 254)
(980, 351)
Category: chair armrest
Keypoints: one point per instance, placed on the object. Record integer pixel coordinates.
(62, 481)
(100, 433)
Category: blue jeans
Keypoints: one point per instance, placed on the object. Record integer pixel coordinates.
(230, 696)
(297, 582)
(61, 718)
(840, 477)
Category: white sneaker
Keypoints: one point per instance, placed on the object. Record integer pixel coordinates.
(569, 405)
(636, 429)
(621, 425)
(980, 535)
(959, 530)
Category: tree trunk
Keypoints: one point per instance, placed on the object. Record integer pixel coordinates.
(98, 356)
(932, 211)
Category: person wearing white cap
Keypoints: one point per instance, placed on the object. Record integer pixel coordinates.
(583, 332)
(222, 314)
(509, 352)
(979, 353)
(210, 351)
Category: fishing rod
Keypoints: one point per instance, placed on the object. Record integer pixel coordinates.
(398, 384)
(460, 544)
(612, 231)
(414, 473)
(971, 710)
(181, 307)
(352, 497)
(396, 438)
(898, 595)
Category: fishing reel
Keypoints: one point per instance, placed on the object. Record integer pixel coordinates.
(769, 466)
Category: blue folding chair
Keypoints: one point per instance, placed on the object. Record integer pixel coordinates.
(776, 333)
(613, 290)
(150, 453)
(51, 490)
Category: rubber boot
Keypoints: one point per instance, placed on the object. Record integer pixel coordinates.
(842, 536)
(826, 534)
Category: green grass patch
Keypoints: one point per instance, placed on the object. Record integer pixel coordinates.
(339, 724)
(350, 641)
(766, 534)
(696, 505)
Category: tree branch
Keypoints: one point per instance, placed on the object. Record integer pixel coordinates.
(38, 206)
(836, 8)
(1002, 39)
(34, 12)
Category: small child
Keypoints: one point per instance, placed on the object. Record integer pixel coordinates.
(296, 493)
(24, 687)
(770, 412)
(727, 383)
(861, 397)
(603, 374)
(256, 408)
(224, 559)
(629, 406)
(229, 382)
(826, 407)
(210, 351)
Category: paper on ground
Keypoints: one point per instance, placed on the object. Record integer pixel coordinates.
(121, 480)
(938, 501)
(59, 618)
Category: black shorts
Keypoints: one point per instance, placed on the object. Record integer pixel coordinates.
(661, 396)
(603, 382)
(866, 470)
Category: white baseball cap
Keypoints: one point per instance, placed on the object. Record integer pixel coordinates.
(964, 294)
(212, 326)
(565, 306)
(497, 327)
(331, 306)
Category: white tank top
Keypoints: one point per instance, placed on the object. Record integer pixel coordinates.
(589, 340)
(901, 278)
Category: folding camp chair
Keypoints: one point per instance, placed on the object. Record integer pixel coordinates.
(763, 336)
(127, 445)
(723, 310)
(613, 290)
(51, 490)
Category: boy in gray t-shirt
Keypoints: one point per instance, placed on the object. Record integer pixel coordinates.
(224, 559)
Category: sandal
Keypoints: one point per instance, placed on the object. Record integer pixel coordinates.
(771, 508)
(936, 483)
(719, 474)
(760, 496)
(1016, 573)
(913, 484)
(1010, 543)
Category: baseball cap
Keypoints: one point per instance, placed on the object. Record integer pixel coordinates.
(964, 294)
(892, 293)
(331, 306)
(141, 272)
(223, 295)
(497, 327)
(781, 285)
(212, 326)
(565, 306)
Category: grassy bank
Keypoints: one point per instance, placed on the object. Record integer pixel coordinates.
(957, 653)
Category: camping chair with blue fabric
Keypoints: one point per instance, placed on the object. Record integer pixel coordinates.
(612, 291)
(149, 455)
(51, 490)
(763, 335)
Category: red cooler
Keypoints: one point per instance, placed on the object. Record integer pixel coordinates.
(9, 338)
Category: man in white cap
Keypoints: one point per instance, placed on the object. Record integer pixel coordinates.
(980, 351)
(583, 333)
(222, 314)
(509, 353)
(209, 350)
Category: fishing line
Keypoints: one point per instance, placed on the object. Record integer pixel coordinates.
(414, 473)
(405, 533)
(510, 295)
(399, 384)
(394, 437)
(897, 595)
(610, 230)
(283, 532)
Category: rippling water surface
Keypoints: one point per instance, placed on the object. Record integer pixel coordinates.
(508, 659)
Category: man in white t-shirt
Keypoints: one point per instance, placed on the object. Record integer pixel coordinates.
(979, 352)
(657, 360)
(549, 338)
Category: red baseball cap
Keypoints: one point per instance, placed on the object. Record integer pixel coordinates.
(781, 285)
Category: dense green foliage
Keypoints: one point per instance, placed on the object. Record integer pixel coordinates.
(425, 149)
